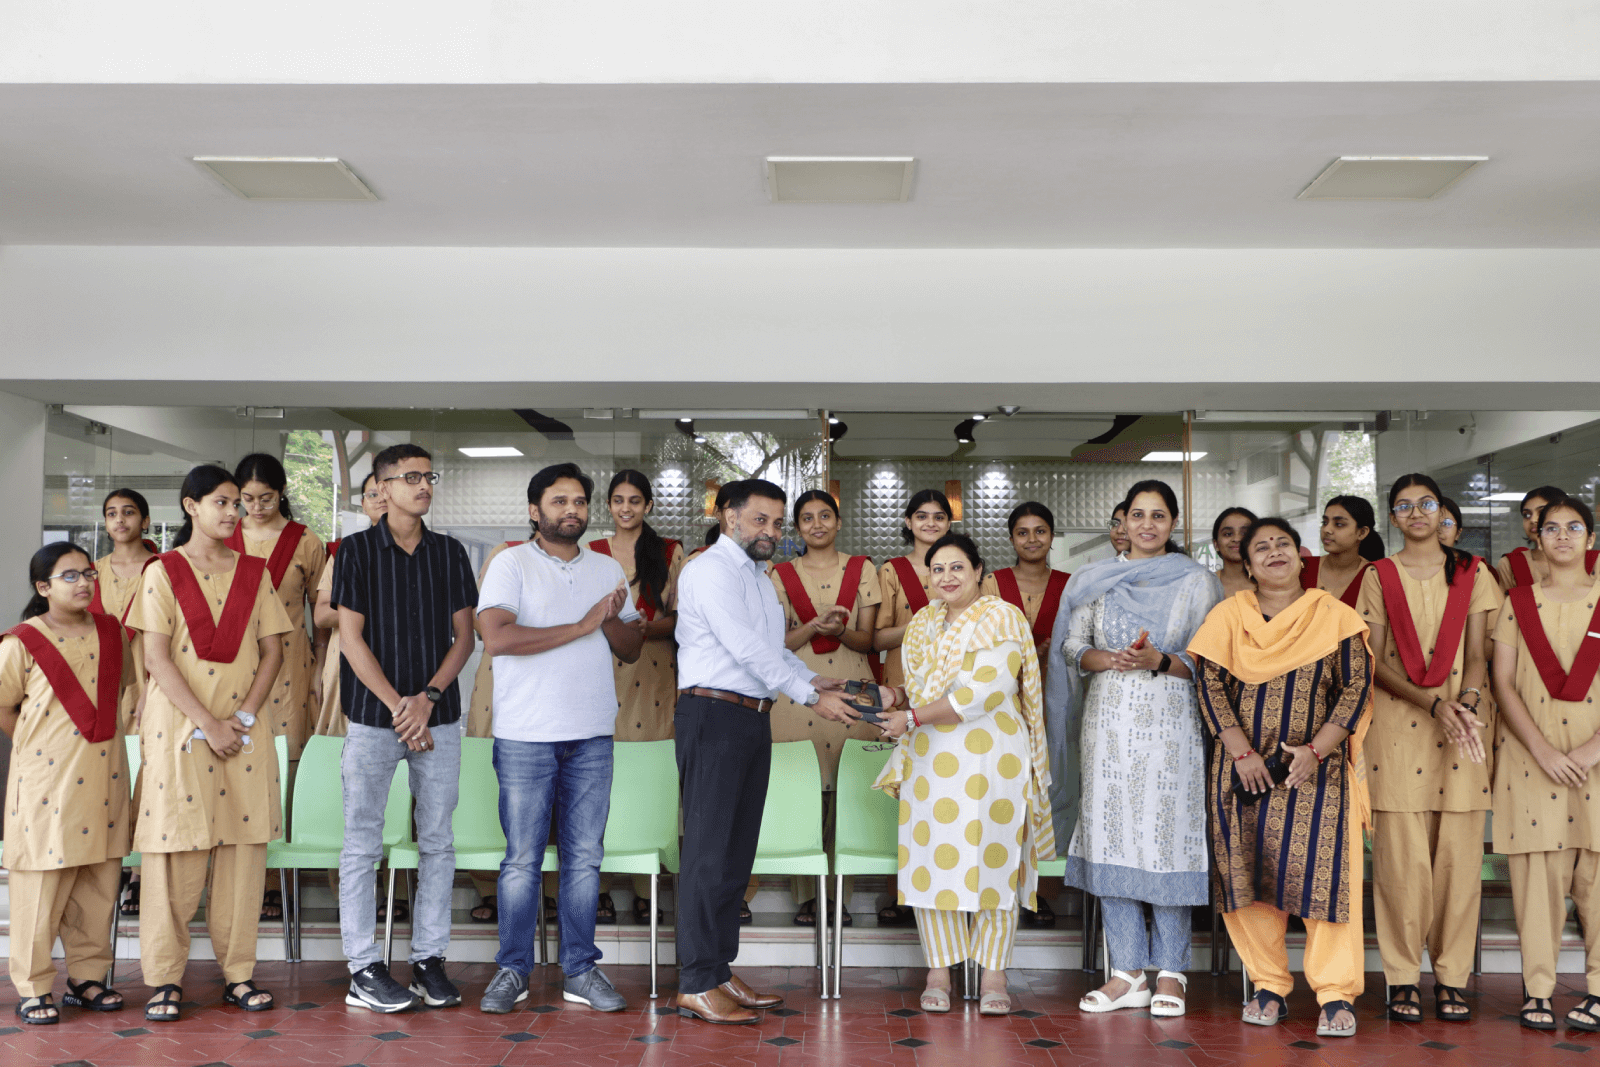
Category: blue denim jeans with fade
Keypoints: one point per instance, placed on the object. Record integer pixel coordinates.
(572, 778)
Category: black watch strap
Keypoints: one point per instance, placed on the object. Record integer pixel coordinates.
(433, 694)
(1165, 665)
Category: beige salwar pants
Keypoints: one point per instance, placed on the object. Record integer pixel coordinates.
(1427, 881)
(173, 882)
(75, 902)
(1540, 885)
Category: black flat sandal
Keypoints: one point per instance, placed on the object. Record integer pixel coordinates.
(896, 915)
(78, 996)
(243, 1003)
(746, 916)
(1590, 1006)
(271, 901)
(491, 905)
(1043, 919)
(641, 911)
(1455, 999)
(167, 996)
(130, 901)
(1541, 1006)
(1396, 993)
(605, 912)
(29, 1005)
(1264, 999)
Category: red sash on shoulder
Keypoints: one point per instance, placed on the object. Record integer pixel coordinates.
(1313, 569)
(603, 547)
(800, 600)
(1571, 686)
(1522, 570)
(916, 596)
(217, 641)
(333, 547)
(96, 721)
(1428, 675)
(282, 553)
(1006, 580)
(97, 606)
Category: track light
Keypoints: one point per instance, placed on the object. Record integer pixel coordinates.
(699, 440)
(979, 417)
(965, 429)
(837, 429)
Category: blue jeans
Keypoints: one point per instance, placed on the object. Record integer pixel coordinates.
(574, 779)
(371, 754)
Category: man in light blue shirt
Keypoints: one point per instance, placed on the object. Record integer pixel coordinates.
(731, 662)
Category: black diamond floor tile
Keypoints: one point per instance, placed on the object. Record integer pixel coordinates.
(519, 1038)
(257, 1035)
(784, 1013)
(1043, 1042)
(1440, 1046)
(7, 1031)
(391, 1035)
(1026, 1014)
(782, 1041)
(668, 1010)
(1567, 1046)
(1175, 1043)
(544, 1009)
(912, 1042)
(304, 1005)
(1308, 1045)
(905, 1013)
(652, 1039)
(135, 1032)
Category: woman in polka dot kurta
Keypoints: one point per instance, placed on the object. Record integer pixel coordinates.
(971, 775)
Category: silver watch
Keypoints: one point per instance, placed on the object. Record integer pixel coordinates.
(811, 701)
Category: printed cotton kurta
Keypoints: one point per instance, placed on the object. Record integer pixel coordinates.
(1289, 849)
(66, 798)
(289, 704)
(115, 593)
(330, 716)
(1411, 765)
(1533, 813)
(796, 722)
(895, 610)
(647, 690)
(195, 799)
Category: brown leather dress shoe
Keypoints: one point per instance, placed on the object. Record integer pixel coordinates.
(742, 995)
(715, 1006)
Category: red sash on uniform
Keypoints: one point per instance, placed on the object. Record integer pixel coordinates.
(1006, 580)
(96, 721)
(1312, 570)
(1571, 686)
(97, 606)
(1522, 571)
(603, 547)
(333, 547)
(1427, 674)
(801, 601)
(216, 641)
(916, 596)
(282, 553)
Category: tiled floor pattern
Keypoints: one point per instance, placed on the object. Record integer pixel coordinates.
(877, 1022)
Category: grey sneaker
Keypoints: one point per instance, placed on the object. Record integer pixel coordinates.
(506, 990)
(593, 988)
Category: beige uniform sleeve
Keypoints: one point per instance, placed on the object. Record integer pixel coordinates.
(1370, 602)
(674, 568)
(155, 608)
(1486, 594)
(271, 619)
(868, 591)
(889, 592)
(1502, 568)
(14, 664)
(989, 587)
(1505, 625)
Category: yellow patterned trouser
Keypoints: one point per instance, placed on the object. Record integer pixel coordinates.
(950, 937)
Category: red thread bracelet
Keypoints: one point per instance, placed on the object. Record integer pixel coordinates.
(1314, 752)
(1246, 754)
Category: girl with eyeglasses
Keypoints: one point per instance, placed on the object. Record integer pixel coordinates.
(63, 672)
(1428, 609)
(1526, 564)
(1547, 818)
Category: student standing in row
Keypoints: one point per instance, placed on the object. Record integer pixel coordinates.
(1450, 523)
(1428, 608)
(208, 795)
(330, 716)
(127, 517)
(1226, 531)
(63, 671)
(1350, 543)
(1526, 565)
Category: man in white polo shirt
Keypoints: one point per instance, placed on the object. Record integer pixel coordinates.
(553, 614)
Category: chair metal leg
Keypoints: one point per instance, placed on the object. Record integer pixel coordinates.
(655, 898)
(1105, 951)
(1091, 937)
(544, 924)
(388, 924)
(822, 933)
(1477, 947)
(969, 979)
(116, 931)
(299, 921)
(838, 932)
(283, 891)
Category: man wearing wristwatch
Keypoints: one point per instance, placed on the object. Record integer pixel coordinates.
(731, 663)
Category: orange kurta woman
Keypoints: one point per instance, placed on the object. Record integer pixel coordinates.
(208, 795)
(62, 673)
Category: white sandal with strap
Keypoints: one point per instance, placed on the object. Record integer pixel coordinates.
(1137, 996)
(1165, 1005)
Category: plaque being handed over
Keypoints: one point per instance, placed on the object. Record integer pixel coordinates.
(868, 697)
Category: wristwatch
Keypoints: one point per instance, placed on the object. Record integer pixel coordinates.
(433, 694)
(1166, 664)
(811, 701)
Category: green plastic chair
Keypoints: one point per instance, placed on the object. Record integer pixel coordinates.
(866, 832)
(791, 830)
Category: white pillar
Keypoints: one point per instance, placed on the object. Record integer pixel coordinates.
(22, 427)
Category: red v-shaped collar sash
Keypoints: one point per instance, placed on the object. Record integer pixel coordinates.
(916, 596)
(97, 606)
(1522, 570)
(216, 641)
(1570, 686)
(1006, 580)
(603, 547)
(1425, 673)
(1313, 570)
(96, 720)
(282, 551)
(800, 600)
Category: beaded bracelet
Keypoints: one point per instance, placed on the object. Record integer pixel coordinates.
(1314, 752)
(1246, 754)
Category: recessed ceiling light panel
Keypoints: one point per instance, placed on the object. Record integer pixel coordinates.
(839, 179)
(1170, 457)
(286, 178)
(489, 451)
(1389, 177)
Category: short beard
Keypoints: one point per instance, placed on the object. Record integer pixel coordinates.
(759, 548)
(552, 532)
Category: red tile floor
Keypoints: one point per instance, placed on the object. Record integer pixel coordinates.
(877, 1022)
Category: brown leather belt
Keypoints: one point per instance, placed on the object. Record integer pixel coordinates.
(733, 698)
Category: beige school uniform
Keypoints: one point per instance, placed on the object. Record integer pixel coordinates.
(1428, 799)
(115, 593)
(647, 688)
(1540, 568)
(66, 818)
(330, 720)
(896, 611)
(1550, 831)
(289, 703)
(194, 808)
(480, 709)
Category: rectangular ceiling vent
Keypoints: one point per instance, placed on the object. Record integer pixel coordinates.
(839, 179)
(286, 178)
(1389, 177)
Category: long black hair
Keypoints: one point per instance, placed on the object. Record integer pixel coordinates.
(198, 484)
(1453, 557)
(921, 497)
(1359, 508)
(1023, 510)
(807, 497)
(1168, 497)
(132, 496)
(1216, 524)
(40, 568)
(260, 467)
(650, 554)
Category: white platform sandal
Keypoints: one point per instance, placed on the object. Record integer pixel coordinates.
(1165, 1005)
(1137, 996)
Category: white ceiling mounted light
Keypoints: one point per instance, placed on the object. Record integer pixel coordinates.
(286, 177)
(1171, 457)
(490, 452)
(1389, 177)
(839, 179)
(1503, 498)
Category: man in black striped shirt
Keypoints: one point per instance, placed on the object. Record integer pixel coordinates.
(405, 597)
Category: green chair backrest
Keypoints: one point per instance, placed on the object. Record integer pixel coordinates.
(477, 818)
(791, 821)
(281, 745)
(134, 758)
(319, 794)
(866, 819)
(644, 799)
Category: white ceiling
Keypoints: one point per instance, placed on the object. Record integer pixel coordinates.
(998, 166)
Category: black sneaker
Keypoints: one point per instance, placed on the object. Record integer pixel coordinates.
(372, 988)
(428, 981)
